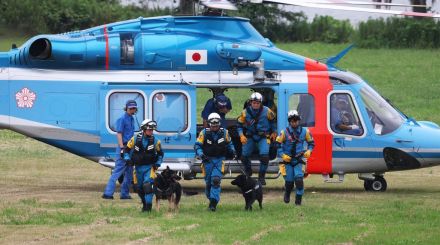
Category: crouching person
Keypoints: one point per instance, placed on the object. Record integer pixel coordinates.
(212, 146)
(292, 142)
(145, 153)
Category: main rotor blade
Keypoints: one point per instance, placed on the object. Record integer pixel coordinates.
(349, 8)
(359, 3)
(219, 4)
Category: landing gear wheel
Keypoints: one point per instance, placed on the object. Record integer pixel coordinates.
(378, 184)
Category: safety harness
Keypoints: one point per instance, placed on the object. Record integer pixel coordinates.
(144, 155)
(294, 139)
(254, 122)
(214, 148)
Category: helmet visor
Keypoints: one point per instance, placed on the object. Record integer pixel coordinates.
(214, 122)
(152, 125)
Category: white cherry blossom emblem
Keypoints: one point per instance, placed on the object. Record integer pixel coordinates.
(25, 98)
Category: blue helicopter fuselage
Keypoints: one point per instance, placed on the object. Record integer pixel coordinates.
(67, 90)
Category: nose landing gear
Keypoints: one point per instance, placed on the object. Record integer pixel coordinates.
(374, 182)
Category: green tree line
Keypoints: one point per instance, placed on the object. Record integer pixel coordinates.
(57, 16)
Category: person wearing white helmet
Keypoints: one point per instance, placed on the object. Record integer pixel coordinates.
(292, 142)
(125, 130)
(256, 126)
(145, 153)
(212, 146)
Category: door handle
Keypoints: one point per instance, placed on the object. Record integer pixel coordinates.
(404, 141)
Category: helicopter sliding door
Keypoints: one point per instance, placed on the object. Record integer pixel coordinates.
(171, 106)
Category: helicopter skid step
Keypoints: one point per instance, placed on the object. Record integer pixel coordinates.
(329, 179)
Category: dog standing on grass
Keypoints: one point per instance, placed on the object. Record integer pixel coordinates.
(251, 189)
(166, 186)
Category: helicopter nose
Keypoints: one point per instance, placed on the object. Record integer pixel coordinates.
(428, 143)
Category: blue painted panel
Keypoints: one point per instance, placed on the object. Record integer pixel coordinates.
(4, 97)
(62, 104)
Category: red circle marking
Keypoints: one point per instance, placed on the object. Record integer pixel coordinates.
(196, 57)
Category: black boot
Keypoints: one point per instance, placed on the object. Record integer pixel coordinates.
(298, 199)
(212, 204)
(261, 178)
(142, 197)
(288, 186)
(147, 207)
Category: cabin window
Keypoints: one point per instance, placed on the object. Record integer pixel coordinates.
(116, 108)
(344, 118)
(383, 116)
(305, 105)
(170, 111)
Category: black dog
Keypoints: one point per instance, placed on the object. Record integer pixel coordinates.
(166, 186)
(252, 190)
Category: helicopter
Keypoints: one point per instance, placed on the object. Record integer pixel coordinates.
(67, 90)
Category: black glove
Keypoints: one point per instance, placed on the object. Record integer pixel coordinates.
(129, 162)
(204, 158)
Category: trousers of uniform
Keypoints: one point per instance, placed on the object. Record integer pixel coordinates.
(120, 169)
(263, 147)
(213, 168)
(144, 175)
(292, 173)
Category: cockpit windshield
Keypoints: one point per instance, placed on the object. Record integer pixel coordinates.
(384, 117)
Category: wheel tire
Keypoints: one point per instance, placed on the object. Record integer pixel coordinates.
(367, 185)
(378, 184)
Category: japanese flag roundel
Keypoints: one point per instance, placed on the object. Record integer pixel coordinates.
(196, 57)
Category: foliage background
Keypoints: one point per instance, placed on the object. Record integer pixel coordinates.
(56, 16)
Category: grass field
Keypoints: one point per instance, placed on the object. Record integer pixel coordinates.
(49, 196)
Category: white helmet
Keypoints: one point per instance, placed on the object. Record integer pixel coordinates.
(293, 115)
(256, 97)
(214, 119)
(148, 124)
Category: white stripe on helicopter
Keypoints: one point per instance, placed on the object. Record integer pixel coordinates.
(46, 131)
(357, 165)
(190, 77)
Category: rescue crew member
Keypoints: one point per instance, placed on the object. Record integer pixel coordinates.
(145, 153)
(292, 147)
(221, 105)
(125, 130)
(212, 145)
(256, 126)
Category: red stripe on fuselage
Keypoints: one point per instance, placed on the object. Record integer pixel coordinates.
(107, 50)
(319, 86)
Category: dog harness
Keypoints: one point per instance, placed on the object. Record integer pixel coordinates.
(257, 186)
